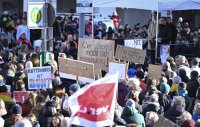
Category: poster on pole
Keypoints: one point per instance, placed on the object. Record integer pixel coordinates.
(120, 67)
(98, 52)
(21, 96)
(36, 15)
(130, 54)
(134, 43)
(164, 52)
(39, 78)
(73, 69)
(154, 71)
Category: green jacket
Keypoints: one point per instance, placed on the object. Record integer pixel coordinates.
(131, 115)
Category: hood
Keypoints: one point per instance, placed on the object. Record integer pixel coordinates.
(129, 111)
(178, 109)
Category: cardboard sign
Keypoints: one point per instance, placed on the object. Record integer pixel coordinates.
(39, 78)
(130, 54)
(164, 52)
(120, 67)
(70, 69)
(154, 71)
(135, 43)
(99, 52)
(20, 96)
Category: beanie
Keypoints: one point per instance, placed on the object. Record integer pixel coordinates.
(131, 73)
(130, 103)
(16, 110)
(164, 88)
(74, 87)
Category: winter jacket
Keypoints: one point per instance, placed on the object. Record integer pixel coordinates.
(174, 114)
(192, 87)
(131, 115)
(37, 109)
(9, 122)
(152, 106)
(195, 117)
(122, 92)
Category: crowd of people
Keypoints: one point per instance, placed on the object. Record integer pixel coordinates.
(142, 100)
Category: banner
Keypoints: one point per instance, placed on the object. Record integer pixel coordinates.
(154, 71)
(93, 105)
(69, 68)
(135, 43)
(130, 54)
(164, 52)
(20, 96)
(120, 67)
(39, 78)
(99, 52)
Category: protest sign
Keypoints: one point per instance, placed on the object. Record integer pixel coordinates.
(154, 71)
(99, 52)
(94, 104)
(39, 78)
(69, 68)
(164, 52)
(130, 54)
(120, 67)
(20, 96)
(134, 43)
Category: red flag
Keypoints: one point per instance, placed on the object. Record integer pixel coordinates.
(93, 105)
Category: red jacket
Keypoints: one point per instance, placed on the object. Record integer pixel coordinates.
(28, 42)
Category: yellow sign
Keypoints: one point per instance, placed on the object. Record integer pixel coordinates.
(36, 15)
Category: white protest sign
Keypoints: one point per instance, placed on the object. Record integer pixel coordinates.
(120, 67)
(39, 78)
(135, 43)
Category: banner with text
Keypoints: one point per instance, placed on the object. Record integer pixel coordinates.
(39, 78)
(134, 43)
(130, 54)
(99, 52)
(94, 104)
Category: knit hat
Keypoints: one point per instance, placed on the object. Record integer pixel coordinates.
(130, 103)
(131, 73)
(188, 123)
(177, 79)
(140, 74)
(16, 110)
(74, 87)
(164, 88)
(179, 100)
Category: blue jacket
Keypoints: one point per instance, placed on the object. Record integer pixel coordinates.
(195, 117)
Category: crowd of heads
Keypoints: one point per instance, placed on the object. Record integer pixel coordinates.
(142, 100)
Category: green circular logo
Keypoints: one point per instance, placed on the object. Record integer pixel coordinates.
(36, 15)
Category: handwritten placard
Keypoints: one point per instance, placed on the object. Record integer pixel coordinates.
(99, 52)
(69, 68)
(39, 78)
(130, 54)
